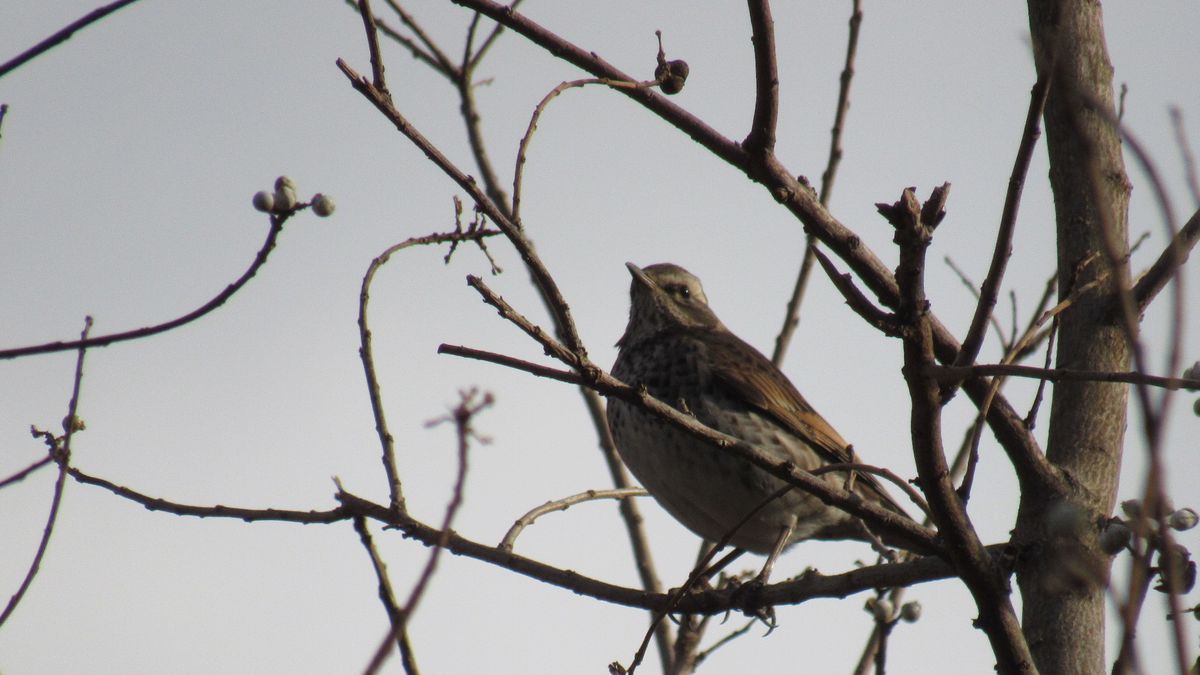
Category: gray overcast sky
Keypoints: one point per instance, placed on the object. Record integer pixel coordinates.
(128, 159)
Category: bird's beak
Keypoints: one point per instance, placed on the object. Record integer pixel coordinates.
(638, 274)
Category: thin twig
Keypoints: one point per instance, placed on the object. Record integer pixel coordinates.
(1163, 270)
(447, 66)
(462, 417)
(884, 322)
(791, 316)
(60, 452)
(365, 351)
(1002, 251)
(372, 30)
(489, 41)
(1185, 154)
(61, 36)
(538, 271)
(882, 472)
(951, 374)
(523, 146)
(416, 50)
(260, 259)
(395, 614)
(510, 537)
(24, 473)
(974, 290)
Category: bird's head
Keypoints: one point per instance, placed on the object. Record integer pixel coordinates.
(665, 297)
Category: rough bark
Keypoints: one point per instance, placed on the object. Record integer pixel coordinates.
(1060, 571)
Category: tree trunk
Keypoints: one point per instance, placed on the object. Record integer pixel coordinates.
(1061, 572)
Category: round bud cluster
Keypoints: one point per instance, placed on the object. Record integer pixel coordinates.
(283, 200)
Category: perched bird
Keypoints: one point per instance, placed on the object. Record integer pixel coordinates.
(680, 351)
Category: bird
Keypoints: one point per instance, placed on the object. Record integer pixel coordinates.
(675, 346)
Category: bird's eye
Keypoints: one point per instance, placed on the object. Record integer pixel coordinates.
(679, 290)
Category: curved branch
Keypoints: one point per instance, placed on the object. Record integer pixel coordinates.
(510, 537)
(761, 139)
(104, 340)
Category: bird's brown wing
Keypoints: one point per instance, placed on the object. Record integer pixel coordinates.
(746, 374)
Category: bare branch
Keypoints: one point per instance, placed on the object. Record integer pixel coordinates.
(761, 139)
(60, 452)
(1008, 221)
(395, 614)
(24, 473)
(366, 353)
(537, 269)
(447, 66)
(884, 322)
(950, 374)
(61, 36)
(260, 259)
(369, 25)
(1173, 256)
(510, 537)
(791, 317)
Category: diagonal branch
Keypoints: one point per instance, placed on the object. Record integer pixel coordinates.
(1008, 220)
(1163, 270)
(62, 36)
(791, 318)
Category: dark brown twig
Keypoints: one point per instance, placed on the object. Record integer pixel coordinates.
(24, 473)
(884, 322)
(365, 351)
(761, 139)
(1008, 221)
(396, 617)
(61, 36)
(970, 286)
(1163, 270)
(951, 374)
(791, 317)
(446, 65)
(372, 30)
(510, 537)
(462, 417)
(60, 452)
(104, 340)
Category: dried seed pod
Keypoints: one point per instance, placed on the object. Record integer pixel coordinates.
(671, 75)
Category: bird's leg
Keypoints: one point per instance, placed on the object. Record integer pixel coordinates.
(785, 534)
